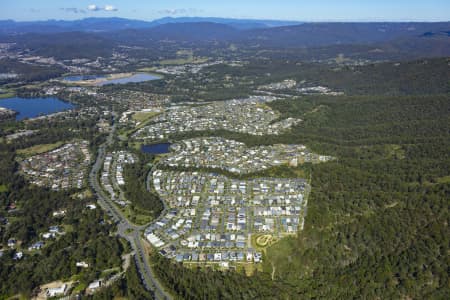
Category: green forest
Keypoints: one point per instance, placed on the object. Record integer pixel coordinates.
(142, 201)
(87, 232)
(129, 287)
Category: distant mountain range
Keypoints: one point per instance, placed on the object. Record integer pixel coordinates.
(319, 34)
(113, 24)
(54, 26)
(235, 23)
(302, 35)
(264, 32)
(99, 36)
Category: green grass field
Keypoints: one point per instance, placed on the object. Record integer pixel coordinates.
(38, 149)
(7, 95)
(443, 180)
(147, 69)
(143, 116)
(137, 217)
(183, 60)
(3, 188)
(261, 242)
(79, 288)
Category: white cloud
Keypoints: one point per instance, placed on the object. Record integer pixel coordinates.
(110, 8)
(94, 7)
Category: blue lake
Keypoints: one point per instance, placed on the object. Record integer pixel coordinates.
(34, 107)
(156, 148)
(140, 77)
(83, 77)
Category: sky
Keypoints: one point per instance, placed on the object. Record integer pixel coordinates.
(296, 10)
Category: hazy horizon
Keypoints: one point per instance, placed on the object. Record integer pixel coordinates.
(256, 19)
(289, 10)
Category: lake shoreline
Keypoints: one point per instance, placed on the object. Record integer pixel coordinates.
(31, 108)
(112, 78)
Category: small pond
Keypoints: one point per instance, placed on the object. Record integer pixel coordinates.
(156, 148)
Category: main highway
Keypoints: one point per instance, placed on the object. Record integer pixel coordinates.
(125, 229)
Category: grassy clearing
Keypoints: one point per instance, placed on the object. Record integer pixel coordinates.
(185, 52)
(144, 116)
(260, 242)
(395, 151)
(183, 61)
(443, 180)
(264, 240)
(248, 268)
(7, 95)
(391, 205)
(79, 288)
(82, 195)
(280, 256)
(38, 149)
(141, 219)
(68, 228)
(138, 217)
(106, 273)
(135, 145)
(147, 69)
(3, 188)
(125, 133)
(283, 171)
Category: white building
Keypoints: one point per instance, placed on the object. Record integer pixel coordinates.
(82, 264)
(57, 291)
(95, 285)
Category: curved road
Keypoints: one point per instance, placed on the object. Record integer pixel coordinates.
(127, 230)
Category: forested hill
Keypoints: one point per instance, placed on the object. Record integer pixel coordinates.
(363, 40)
(377, 217)
(64, 45)
(114, 23)
(423, 76)
(319, 34)
(295, 36)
